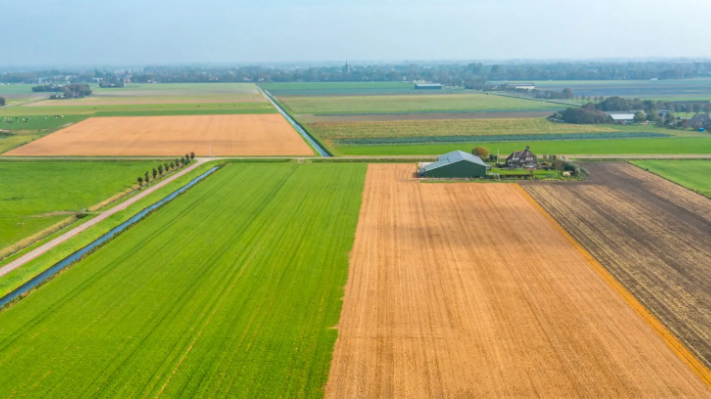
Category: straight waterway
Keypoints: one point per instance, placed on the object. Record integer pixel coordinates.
(78, 255)
(296, 126)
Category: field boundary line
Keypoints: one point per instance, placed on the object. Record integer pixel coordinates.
(42, 249)
(659, 328)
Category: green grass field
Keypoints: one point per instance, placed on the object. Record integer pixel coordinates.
(30, 192)
(232, 290)
(409, 104)
(677, 145)
(142, 109)
(692, 174)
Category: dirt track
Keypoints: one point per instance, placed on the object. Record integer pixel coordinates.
(468, 290)
(216, 135)
(652, 235)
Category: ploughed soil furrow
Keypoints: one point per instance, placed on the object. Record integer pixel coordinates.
(651, 234)
(469, 290)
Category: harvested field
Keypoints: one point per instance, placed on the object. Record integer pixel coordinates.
(217, 135)
(652, 235)
(420, 117)
(469, 290)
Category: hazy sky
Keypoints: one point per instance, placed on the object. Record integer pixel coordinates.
(140, 32)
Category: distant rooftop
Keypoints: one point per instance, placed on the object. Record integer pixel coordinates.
(621, 117)
(452, 157)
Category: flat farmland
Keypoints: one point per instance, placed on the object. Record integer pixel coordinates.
(651, 234)
(37, 195)
(209, 108)
(665, 89)
(467, 130)
(231, 290)
(410, 104)
(217, 135)
(469, 290)
(692, 174)
(670, 145)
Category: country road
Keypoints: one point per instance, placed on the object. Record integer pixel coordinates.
(102, 216)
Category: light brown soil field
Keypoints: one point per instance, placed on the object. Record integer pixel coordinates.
(216, 135)
(470, 291)
(416, 117)
(651, 234)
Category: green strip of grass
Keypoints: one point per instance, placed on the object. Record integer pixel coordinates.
(233, 289)
(31, 191)
(678, 145)
(692, 174)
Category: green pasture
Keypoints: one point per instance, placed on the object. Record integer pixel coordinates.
(142, 109)
(335, 85)
(409, 104)
(231, 290)
(672, 145)
(692, 174)
(33, 192)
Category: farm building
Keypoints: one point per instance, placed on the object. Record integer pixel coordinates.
(521, 86)
(522, 159)
(428, 86)
(622, 118)
(700, 120)
(456, 164)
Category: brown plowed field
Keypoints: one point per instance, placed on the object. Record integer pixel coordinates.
(651, 234)
(217, 135)
(470, 291)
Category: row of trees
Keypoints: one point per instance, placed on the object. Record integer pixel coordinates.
(473, 75)
(68, 91)
(166, 167)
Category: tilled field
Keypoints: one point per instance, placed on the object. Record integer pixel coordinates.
(469, 290)
(217, 135)
(652, 235)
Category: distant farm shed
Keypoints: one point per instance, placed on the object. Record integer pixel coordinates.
(456, 164)
(622, 118)
(427, 86)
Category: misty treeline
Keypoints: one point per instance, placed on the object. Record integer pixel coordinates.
(68, 91)
(473, 75)
(662, 112)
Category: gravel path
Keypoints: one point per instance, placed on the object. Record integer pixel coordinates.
(102, 216)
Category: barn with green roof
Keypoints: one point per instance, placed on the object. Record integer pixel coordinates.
(456, 164)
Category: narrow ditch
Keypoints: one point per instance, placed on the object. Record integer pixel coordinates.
(94, 245)
(296, 126)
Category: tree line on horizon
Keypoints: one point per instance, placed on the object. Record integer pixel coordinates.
(458, 74)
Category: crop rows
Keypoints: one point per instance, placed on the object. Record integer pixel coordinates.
(497, 138)
(407, 104)
(232, 290)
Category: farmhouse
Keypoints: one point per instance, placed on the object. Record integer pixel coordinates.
(622, 118)
(521, 86)
(428, 86)
(455, 164)
(699, 121)
(522, 159)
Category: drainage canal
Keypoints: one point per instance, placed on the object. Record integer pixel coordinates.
(57, 267)
(296, 126)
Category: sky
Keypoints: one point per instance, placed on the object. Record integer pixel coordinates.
(165, 32)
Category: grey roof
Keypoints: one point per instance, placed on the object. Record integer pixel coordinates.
(619, 117)
(450, 158)
(428, 84)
